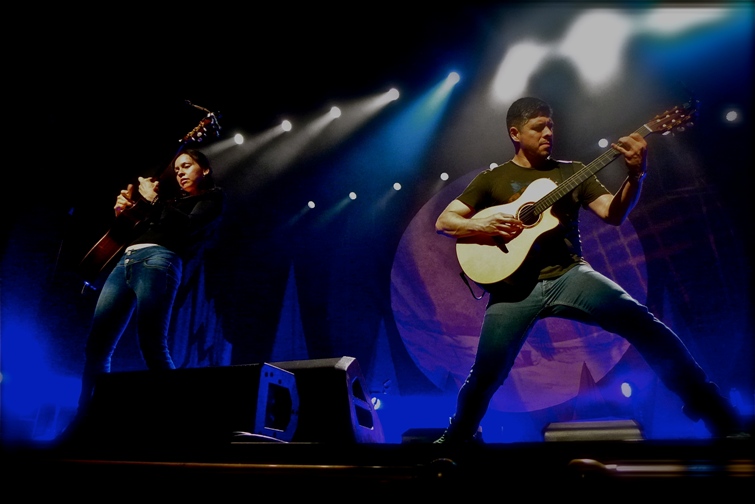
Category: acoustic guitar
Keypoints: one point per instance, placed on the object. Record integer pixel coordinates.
(487, 260)
(129, 222)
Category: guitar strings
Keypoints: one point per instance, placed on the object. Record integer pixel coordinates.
(532, 212)
(667, 120)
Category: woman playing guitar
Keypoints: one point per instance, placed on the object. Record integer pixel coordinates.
(180, 216)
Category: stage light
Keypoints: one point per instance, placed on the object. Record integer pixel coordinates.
(444, 176)
(597, 63)
(675, 20)
(335, 112)
(520, 62)
(286, 125)
(602, 143)
(238, 138)
(731, 115)
(352, 195)
(453, 78)
(382, 99)
(626, 389)
(493, 165)
(397, 186)
(311, 204)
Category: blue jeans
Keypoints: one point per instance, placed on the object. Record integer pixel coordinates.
(146, 281)
(584, 295)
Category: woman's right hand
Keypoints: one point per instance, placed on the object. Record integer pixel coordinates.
(124, 200)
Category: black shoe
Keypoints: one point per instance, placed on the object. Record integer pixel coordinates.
(445, 439)
(740, 436)
(449, 438)
(717, 413)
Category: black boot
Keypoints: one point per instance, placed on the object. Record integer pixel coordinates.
(718, 414)
(457, 434)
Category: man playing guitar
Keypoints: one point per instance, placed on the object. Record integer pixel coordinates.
(544, 273)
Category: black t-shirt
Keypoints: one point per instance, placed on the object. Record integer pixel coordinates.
(185, 225)
(557, 250)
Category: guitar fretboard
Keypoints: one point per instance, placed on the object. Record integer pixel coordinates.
(568, 185)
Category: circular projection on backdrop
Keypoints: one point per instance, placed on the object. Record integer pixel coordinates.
(439, 319)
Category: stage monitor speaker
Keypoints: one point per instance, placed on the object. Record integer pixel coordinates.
(606, 430)
(334, 403)
(192, 407)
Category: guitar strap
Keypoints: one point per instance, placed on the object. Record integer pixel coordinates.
(464, 278)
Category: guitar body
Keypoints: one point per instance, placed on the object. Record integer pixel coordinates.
(109, 247)
(486, 261)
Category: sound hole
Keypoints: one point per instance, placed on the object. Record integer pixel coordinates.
(528, 215)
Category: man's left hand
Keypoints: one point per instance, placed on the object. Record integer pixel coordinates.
(634, 150)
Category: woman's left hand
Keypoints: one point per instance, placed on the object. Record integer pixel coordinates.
(149, 188)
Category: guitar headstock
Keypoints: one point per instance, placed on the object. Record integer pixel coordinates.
(675, 118)
(207, 127)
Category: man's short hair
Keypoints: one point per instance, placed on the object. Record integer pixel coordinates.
(524, 109)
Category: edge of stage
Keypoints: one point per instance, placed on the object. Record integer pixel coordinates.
(542, 468)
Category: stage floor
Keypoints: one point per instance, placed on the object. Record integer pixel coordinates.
(299, 469)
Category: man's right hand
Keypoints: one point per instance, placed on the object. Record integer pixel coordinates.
(501, 225)
(124, 200)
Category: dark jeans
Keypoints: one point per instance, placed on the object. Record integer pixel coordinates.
(145, 281)
(584, 295)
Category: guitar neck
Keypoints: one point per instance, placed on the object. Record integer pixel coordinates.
(588, 171)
